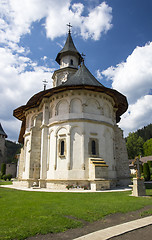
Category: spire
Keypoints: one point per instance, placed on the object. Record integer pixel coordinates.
(2, 131)
(69, 48)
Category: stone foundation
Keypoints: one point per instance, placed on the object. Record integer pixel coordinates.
(138, 187)
(94, 185)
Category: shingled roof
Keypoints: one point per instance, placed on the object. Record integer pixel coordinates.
(69, 47)
(82, 77)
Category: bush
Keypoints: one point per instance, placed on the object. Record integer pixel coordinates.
(1, 176)
(146, 172)
(150, 168)
(7, 177)
(3, 169)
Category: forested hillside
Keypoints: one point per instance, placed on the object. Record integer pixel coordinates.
(12, 149)
(140, 142)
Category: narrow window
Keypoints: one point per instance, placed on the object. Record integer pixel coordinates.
(62, 148)
(71, 62)
(93, 147)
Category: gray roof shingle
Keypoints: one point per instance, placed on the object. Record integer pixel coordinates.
(82, 77)
(69, 47)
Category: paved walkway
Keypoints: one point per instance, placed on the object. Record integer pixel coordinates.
(79, 190)
(117, 230)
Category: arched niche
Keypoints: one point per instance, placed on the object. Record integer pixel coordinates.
(75, 106)
(62, 107)
(92, 106)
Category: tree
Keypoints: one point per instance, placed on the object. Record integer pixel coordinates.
(134, 145)
(146, 172)
(3, 169)
(147, 147)
(150, 168)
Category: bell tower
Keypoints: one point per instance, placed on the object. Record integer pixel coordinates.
(69, 59)
(2, 145)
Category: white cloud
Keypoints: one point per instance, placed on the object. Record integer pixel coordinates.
(133, 78)
(18, 16)
(138, 115)
(18, 84)
(99, 74)
(98, 21)
(21, 77)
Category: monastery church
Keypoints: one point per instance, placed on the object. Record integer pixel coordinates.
(69, 132)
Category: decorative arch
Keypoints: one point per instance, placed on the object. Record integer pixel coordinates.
(76, 105)
(33, 120)
(92, 106)
(60, 128)
(107, 110)
(62, 107)
(51, 113)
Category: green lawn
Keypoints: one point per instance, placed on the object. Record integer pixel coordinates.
(2, 182)
(25, 213)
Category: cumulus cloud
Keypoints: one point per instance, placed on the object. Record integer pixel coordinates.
(98, 21)
(133, 78)
(18, 84)
(21, 77)
(18, 16)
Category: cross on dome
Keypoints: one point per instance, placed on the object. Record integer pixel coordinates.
(70, 26)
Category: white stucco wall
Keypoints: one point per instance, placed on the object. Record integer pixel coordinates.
(74, 117)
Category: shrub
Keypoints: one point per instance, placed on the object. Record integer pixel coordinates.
(146, 172)
(1, 176)
(150, 168)
(141, 168)
(7, 177)
(3, 169)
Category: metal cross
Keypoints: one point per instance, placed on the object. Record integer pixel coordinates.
(83, 57)
(45, 83)
(70, 26)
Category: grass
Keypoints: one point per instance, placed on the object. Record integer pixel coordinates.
(25, 214)
(2, 182)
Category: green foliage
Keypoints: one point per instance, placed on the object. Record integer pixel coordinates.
(141, 168)
(3, 169)
(30, 213)
(134, 145)
(146, 172)
(147, 147)
(145, 132)
(7, 177)
(150, 169)
(13, 148)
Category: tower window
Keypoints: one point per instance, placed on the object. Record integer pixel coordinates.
(71, 62)
(62, 148)
(93, 147)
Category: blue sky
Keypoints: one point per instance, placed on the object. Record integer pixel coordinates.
(115, 36)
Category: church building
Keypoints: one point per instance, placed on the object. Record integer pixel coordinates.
(69, 132)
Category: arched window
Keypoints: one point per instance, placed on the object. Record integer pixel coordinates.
(62, 148)
(71, 62)
(93, 147)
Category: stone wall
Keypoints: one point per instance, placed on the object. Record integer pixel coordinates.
(121, 156)
(2, 150)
